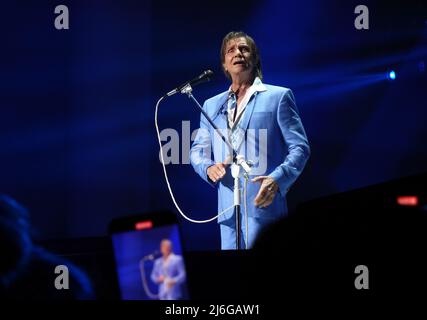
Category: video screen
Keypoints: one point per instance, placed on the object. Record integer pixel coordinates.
(150, 264)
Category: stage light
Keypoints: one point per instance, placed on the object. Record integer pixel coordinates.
(411, 201)
(143, 225)
(392, 75)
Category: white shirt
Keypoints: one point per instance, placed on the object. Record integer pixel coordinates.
(257, 86)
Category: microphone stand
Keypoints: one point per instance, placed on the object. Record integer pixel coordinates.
(239, 167)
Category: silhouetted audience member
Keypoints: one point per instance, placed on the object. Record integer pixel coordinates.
(27, 272)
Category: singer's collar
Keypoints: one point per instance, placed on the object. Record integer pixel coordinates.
(257, 86)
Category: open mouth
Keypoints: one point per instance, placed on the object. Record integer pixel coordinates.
(239, 62)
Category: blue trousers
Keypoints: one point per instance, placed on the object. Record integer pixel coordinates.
(228, 231)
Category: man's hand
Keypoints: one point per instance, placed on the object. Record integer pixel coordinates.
(170, 283)
(216, 172)
(266, 192)
(160, 279)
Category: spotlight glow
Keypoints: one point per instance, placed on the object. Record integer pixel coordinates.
(392, 75)
(422, 66)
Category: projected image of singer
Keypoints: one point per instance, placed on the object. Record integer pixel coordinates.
(263, 124)
(169, 273)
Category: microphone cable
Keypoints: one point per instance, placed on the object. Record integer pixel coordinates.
(144, 281)
(167, 179)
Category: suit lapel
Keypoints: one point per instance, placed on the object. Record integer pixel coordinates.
(219, 117)
(244, 122)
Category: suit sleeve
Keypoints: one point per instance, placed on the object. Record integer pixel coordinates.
(296, 140)
(200, 152)
(181, 274)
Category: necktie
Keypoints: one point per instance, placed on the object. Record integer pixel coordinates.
(232, 105)
(236, 132)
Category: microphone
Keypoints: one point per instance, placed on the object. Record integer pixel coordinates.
(204, 77)
(151, 256)
(246, 165)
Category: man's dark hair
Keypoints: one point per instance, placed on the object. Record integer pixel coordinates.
(254, 50)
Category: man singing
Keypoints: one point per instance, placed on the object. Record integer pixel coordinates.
(262, 124)
(169, 273)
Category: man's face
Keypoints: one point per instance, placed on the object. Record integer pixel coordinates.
(238, 57)
(165, 248)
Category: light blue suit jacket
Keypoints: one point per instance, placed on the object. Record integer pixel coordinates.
(174, 270)
(271, 130)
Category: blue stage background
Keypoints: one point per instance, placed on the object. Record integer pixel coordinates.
(78, 144)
